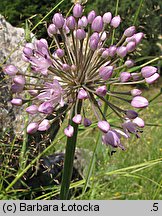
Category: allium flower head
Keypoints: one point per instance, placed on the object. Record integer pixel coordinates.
(80, 68)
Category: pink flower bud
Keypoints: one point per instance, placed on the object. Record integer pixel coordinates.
(77, 10)
(136, 92)
(131, 114)
(69, 131)
(19, 80)
(139, 122)
(82, 94)
(29, 45)
(130, 31)
(27, 51)
(139, 102)
(84, 21)
(33, 109)
(131, 46)
(148, 71)
(112, 50)
(152, 78)
(52, 30)
(103, 126)
(105, 53)
(93, 44)
(129, 63)
(101, 90)
(122, 51)
(77, 119)
(58, 20)
(115, 22)
(97, 24)
(66, 67)
(44, 125)
(138, 37)
(32, 128)
(60, 53)
(125, 76)
(71, 23)
(91, 16)
(87, 122)
(33, 92)
(106, 72)
(11, 70)
(107, 17)
(95, 36)
(17, 101)
(16, 88)
(135, 76)
(80, 34)
(46, 108)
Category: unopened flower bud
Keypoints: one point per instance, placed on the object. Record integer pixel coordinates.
(87, 122)
(17, 101)
(125, 76)
(129, 63)
(11, 70)
(16, 88)
(130, 31)
(106, 72)
(52, 30)
(139, 122)
(69, 131)
(44, 125)
(131, 114)
(82, 94)
(131, 46)
(115, 22)
(80, 34)
(32, 128)
(107, 17)
(139, 102)
(58, 20)
(77, 119)
(135, 76)
(19, 80)
(60, 53)
(152, 78)
(103, 126)
(93, 44)
(138, 37)
(95, 36)
(33, 109)
(28, 51)
(84, 21)
(136, 92)
(71, 23)
(148, 71)
(122, 51)
(112, 50)
(66, 67)
(97, 24)
(101, 90)
(105, 53)
(33, 92)
(77, 10)
(91, 16)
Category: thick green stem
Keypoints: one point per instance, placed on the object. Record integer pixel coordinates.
(69, 157)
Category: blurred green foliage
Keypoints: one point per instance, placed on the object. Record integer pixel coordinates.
(148, 20)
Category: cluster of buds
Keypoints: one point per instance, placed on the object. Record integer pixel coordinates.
(80, 65)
